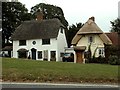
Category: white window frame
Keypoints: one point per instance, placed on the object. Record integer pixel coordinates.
(101, 51)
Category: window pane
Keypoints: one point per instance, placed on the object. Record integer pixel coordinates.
(39, 54)
(22, 42)
(90, 39)
(45, 41)
(53, 55)
(99, 51)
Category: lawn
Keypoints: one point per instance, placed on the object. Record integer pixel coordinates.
(19, 70)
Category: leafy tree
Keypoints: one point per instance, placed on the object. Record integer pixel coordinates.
(49, 12)
(72, 31)
(115, 25)
(13, 13)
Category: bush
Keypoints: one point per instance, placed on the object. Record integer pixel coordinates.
(99, 59)
(114, 60)
(102, 60)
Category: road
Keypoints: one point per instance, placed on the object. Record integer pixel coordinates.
(54, 85)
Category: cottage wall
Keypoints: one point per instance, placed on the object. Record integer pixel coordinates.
(29, 45)
(61, 43)
(97, 43)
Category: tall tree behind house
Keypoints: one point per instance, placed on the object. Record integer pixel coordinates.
(49, 11)
(13, 13)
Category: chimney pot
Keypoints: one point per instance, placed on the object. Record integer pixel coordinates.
(39, 16)
(92, 18)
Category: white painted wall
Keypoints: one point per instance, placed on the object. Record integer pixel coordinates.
(38, 46)
(61, 43)
(97, 43)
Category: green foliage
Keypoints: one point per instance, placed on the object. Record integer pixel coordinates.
(99, 59)
(114, 60)
(13, 13)
(112, 50)
(115, 25)
(49, 12)
(72, 32)
(95, 52)
(89, 51)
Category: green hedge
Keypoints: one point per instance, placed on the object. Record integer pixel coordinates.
(99, 59)
(114, 60)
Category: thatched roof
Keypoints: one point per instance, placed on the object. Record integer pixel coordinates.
(90, 27)
(37, 30)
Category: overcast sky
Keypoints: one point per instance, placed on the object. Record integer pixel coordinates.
(76, 11)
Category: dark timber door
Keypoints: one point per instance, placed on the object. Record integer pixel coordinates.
(79, 57)
(33, 53)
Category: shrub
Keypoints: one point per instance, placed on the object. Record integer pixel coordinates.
(99, 59)
(114, 60)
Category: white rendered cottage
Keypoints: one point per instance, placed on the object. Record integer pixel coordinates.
(89, 35)
(39, 40)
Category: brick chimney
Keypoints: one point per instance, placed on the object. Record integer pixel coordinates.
(39, 16)
(92, 18)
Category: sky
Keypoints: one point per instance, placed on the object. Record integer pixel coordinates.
(76, 11)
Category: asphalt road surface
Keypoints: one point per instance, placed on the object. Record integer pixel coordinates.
(54, 85)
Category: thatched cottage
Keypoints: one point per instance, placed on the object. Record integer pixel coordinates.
(40, 40)
(89, 35)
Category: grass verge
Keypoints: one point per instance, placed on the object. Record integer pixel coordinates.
(19, 70)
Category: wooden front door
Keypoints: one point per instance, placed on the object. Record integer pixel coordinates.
(33, 53)
(79, 58)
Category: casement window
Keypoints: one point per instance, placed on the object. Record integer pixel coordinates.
(53, 55)
(90, 39)
(45, 41)
(101, 51)
(22, 42)
(39, 54)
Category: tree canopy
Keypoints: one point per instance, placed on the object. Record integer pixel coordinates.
(13, 13)
(73, 29)
(49, 11)
(115, 25)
